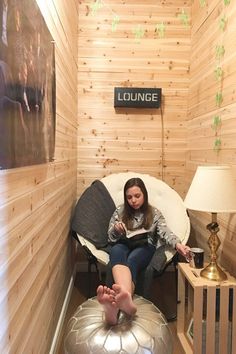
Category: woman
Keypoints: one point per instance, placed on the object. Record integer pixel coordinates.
(130, 254)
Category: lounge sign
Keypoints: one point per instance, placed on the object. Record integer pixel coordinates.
(137, 97)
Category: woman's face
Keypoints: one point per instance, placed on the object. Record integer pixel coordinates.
(135, 197)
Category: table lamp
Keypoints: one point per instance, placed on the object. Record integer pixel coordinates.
(213, 189)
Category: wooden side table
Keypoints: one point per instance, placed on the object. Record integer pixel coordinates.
(206, 320)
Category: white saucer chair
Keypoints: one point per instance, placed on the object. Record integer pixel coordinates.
(94, 209)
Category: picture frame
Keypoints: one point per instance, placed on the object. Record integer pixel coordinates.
(28, 86)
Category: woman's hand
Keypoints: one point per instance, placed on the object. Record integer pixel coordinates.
(182, 249)
(120, 228)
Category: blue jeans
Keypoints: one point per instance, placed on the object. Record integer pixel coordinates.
(136, 259)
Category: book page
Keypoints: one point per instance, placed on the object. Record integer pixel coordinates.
(133, 233)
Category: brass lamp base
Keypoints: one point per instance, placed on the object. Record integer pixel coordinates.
(213, 272)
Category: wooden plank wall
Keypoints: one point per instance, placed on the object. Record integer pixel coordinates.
(112, 141)
(35, 204)
(208, 32)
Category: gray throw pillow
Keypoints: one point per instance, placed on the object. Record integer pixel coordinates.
(92, 214)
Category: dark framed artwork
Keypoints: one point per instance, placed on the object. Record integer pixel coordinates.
(27, 86)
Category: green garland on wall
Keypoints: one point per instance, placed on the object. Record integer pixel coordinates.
(223, 23)
(160, 29)
(202, 3)
(95, 6)
(219, 75)
(216, 126)
(138, 31)
(184, 18)
(115, 22)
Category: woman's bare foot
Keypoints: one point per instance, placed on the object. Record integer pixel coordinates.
(124, 300)
(106, 297)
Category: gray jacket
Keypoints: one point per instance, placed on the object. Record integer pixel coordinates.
(158, 234)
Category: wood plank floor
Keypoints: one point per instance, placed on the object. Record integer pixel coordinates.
(163, 296)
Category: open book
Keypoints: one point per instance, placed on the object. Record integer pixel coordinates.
(133, 233)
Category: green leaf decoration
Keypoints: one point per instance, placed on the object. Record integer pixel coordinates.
(115, 22)
(218, 73)
(226, 2)
(96, 6)
(184, 17)
(217, 144)
(219, 98)
(139, 33)
(216, 122)
(222, 23)
(160, 29)
(202, 3)
(220, 51)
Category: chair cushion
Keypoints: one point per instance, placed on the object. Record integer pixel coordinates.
(92, 214)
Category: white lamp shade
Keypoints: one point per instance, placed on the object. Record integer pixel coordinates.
(213, 189)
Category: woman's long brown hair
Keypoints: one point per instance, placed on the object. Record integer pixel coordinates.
(146, 208)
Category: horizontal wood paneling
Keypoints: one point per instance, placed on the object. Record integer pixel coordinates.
(36, 204)
(206, 35)
(119, 140)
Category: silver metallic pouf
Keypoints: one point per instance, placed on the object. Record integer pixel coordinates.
(147, 332)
